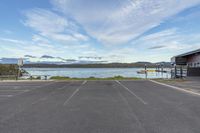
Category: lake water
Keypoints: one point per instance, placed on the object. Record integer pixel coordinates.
(94, 72)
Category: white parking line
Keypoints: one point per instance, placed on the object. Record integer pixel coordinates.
(23, 109)
(84, 82)
(32, 89)
(139, 98)
(6, 95)
(176, 88)
(16, 93)
(22, 92)
(12, 90)
(39, 100)
(40, 86)
(74, 93)
(45, 97)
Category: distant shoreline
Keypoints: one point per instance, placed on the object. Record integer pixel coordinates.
(95, 78)
(110, 65)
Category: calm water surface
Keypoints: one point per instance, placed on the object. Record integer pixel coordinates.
(94, 72)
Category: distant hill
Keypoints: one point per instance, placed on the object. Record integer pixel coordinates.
(47, 61)
(8, 61)
(109, 65)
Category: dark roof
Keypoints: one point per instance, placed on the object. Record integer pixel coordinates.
(189, 53)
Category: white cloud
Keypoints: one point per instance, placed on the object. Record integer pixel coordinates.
(161, 35)
(13, 41)
(80, 37)
(53, 26)
(45, 21)
(117, 22)
(170, 41)
(62, 37)
(68, 26)
(39, 46)
(38, 38)
(8, 31)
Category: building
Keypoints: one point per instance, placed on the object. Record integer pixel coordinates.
(189, 61)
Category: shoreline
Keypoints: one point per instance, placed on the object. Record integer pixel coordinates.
(94, 78)
(59, 78)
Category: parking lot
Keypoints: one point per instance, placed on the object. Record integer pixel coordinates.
(97, 107)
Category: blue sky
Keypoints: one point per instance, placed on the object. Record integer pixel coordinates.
(116, 30)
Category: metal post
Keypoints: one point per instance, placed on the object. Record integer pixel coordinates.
(171, 73)
(156, 69)
(181, 71)
(187, 70)
(162, 69)
(145, 71)
(18, 73)
(20, 64)
(175, 71)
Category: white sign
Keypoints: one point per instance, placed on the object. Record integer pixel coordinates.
(20, 62)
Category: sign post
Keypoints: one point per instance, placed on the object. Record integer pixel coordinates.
(20, 63)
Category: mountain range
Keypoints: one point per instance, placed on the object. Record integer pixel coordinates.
(46, 59)
(50, 61)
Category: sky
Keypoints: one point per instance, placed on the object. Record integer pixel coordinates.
(115, 30)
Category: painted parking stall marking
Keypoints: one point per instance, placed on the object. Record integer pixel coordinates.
(138, 97)
(74, 93)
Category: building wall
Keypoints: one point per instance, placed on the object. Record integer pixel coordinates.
(192, 72)
(194, 60)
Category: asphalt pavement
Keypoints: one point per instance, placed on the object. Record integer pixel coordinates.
(97, 107)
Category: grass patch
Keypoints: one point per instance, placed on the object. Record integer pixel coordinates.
(7, 78)
(94, 78)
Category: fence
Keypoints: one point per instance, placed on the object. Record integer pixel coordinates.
(179, 72)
